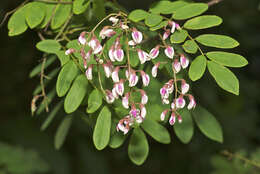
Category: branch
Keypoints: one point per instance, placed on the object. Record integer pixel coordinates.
(213, 2)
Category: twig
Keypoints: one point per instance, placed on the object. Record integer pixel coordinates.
(11, 12)
(53, 2)
(213, 2)
(52, 15)
(233, 155)
(63, 27)
(45, 99)
(40, 35)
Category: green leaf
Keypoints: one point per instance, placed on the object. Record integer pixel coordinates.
(159, 26)
(166, 7)
(99, 9)
(153, 20)
(184, 130)
(224, 77)
(67, 74)
(62, 57)
(138, 147)
(62, 132)
(157, 131)
(17, 22)
(208, 124)
(227, 59)
(197, 68)
(94, 101)
(35, 14)
(36, 70)
(203, 22)
(51, 116)
(218, 41)
(80, 6)
(138, 15)
(190, 46)
(190, 10)
(101, 133)
(179, 36)
(48, 46)
(76, 94)
(134, 59)
(48, 10)
(117, 140)
(62, 12)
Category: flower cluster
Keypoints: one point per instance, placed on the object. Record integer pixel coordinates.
(116, 53)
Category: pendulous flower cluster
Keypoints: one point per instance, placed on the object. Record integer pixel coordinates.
(132, 76)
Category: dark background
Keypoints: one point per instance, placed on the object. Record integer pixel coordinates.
(238, 115)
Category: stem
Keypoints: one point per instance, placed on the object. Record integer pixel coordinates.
(45, 99)
(53, 2)
(213, 2)
(99, 79)
(196, 45)
(63, 27)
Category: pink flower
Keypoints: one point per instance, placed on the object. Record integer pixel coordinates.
(143, 111)
(172, 119)
(184, 61)
(114, 92)
(154, 52)
(155, 69)
(70, 51)
(169, 52)
(134, 112)
(169, 86)
(114, 74)
(114, 20)
(87, 56)
(81, 39)
(110, 53)
(172, 25)
(173, 105)
(166, 34)
(145, 78)
(109, 97)
(137, 36)
(144, 97)
(106, 32)
(177, 26)
(124, 124)
(143, 56)
(89, 72)
(95, 45)
(127, 74)
(133, 79)
(125, 100)
(184, 87)
(176, 66)
(164, 93)
(108, 69)
(180, 102)
(118, 54)
(120, 87)
(163, 114)
(192, 103)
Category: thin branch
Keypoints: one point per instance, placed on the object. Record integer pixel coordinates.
(45, 99)
(53, 2)
(63, 27)
(213, 2)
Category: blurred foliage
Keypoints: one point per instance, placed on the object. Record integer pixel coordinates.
(239, 116)
(16, 160)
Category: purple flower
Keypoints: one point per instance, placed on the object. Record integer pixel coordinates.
(163, 114)
(176, 66)
(166, 34)
(133, 79)
(143, 56)
(184, 87)
(137, 36)
(169, 52)
(81, 39)
(180, 102)
(109, 96)
(184, 61)
(192, 103)
(155, 69)
(172, 119)
(106, 32)
(154, 52)
(115, 76)
(145, 78)
(125, 100)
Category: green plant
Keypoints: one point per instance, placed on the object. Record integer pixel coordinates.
(103, 58)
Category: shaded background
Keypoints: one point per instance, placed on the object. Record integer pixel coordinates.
(238, 115)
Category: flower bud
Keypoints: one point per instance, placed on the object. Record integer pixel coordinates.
(109, 97)
(180, 102)
(110, 53)
(125, 100)
(89, 72)
(166, 34)
(137, 36)
(192, 103)
(172, 119)
(131, 43)
(143, 56)
(108, 69)
(173, 105)
(179, 119)
(145, 78)
(120, 88)
(106, 32)
(169, 52)
(144, 98)
(155, 69)
(172, 25)
(114, 93)
(114, 20)
(163, 114)
(70, 51)
(184, 61)
(133, 79)
(176, 66)
(143, 111)
(115, 76)
(81, 39)
(154, 52)
(184, 87)
(118, 54)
